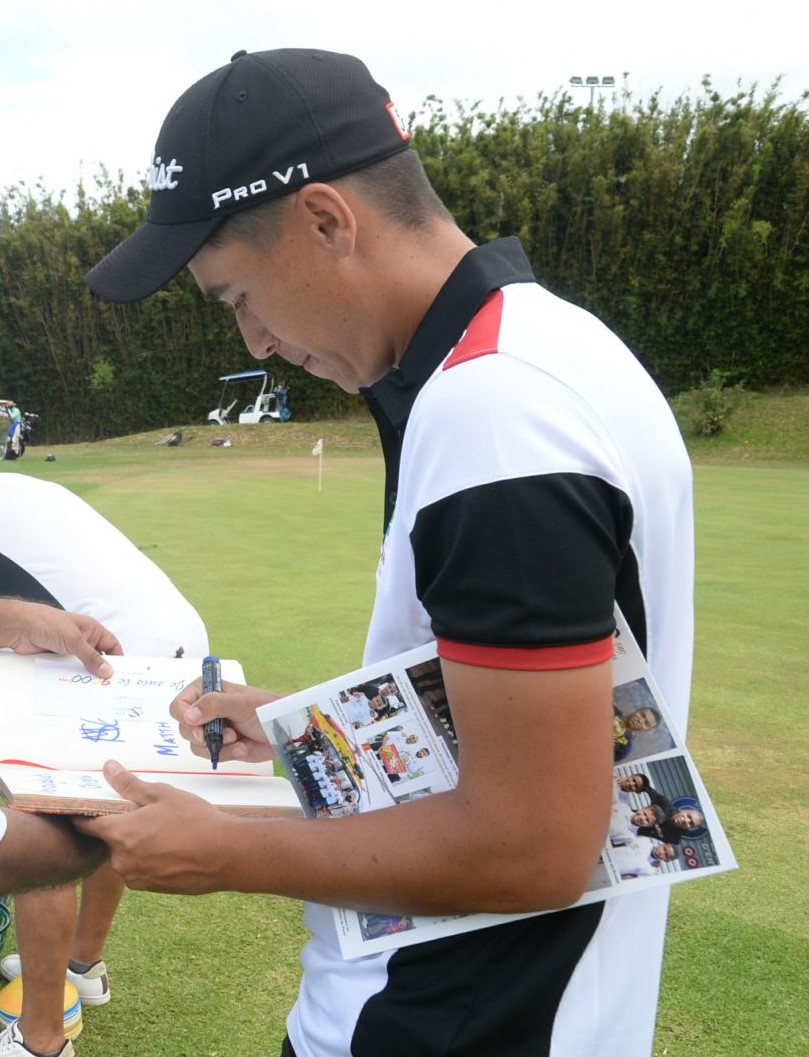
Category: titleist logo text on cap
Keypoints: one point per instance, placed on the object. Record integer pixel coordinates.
(161, 176)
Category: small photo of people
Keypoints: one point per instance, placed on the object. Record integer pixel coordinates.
(372, 702)
(320, 764)
(401, 753)
(638, 728)
(428, 682)
(657, 821)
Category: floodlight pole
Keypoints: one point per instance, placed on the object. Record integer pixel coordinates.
(592, 82)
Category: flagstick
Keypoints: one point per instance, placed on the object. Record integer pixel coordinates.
(318, 450)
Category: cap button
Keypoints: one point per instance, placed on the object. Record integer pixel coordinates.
(238, 55)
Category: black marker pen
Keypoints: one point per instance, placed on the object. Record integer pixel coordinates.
(214, 728)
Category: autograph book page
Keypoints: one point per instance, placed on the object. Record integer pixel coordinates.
(62, 724)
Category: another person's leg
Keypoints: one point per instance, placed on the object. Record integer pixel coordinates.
(38, 851)
(44, 922)
(101, 893)
(100, 896)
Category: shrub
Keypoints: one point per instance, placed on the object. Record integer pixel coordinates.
(706, 410)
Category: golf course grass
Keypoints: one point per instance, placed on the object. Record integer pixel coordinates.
(277, 551)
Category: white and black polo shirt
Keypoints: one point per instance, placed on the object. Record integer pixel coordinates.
(535, 476)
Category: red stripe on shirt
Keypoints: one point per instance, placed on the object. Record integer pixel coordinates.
(481, 336)
(544, 658)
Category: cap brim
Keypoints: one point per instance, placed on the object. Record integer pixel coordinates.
(147, 260)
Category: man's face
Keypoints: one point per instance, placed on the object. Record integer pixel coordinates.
(642, 719)
(688, 818)
(632, 783)
(644, 816)
(664, 852)
(288, 300)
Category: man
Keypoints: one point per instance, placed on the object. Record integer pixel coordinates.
(674, 826)
(632, 783)
(627, 822)
(641, 858)
(286, 184)
(627, 725)
(358, 708)
(64, 554)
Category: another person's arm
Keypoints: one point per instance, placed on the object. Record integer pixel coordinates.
(32, 627)
(39, 851)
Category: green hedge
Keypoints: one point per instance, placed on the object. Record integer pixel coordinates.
(685, 229)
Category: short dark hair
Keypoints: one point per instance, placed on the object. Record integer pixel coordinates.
(259, 226)
(397, 187)
(644, 781)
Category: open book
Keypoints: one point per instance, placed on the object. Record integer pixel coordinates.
(62, 792)
(382, 735)
(61, 724)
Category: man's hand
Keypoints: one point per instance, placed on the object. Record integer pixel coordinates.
(244, 737)
(171, 843)
(31, 627)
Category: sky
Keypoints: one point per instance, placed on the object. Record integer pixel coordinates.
(87, 83)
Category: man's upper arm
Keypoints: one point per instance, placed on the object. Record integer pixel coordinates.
(536, 771)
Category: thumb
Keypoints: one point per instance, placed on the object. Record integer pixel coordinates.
(93, 661)
(128, 785)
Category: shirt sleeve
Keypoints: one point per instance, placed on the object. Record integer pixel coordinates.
(527, 564)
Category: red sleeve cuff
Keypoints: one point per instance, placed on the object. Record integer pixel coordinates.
(545, 658)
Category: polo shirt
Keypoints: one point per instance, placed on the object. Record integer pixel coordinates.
(535, 476)
(55, 548)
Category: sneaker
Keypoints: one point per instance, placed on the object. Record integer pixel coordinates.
(12, 1045)
(11, 1007)
(93, 986)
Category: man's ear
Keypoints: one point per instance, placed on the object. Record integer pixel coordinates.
(327, 218)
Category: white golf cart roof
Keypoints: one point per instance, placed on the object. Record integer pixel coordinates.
(242, 375)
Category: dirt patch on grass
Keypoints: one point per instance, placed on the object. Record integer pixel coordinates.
(291, 438)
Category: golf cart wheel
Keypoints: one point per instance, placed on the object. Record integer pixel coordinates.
(266, 418)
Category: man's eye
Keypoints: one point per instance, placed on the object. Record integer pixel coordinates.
(240, 302)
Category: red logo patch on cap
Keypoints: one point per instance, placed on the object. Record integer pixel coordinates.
(395, 117)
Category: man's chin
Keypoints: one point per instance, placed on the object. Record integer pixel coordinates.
(316, 369)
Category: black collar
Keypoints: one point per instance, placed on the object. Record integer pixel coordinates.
(390, 400)
(481, 270)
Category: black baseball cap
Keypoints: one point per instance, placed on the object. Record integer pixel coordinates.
(258, 128)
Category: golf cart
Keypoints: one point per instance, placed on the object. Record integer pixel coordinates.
(269, 404)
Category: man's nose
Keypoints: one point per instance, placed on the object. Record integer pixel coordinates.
(259, 341)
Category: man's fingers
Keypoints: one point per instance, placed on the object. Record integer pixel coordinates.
(129, 785)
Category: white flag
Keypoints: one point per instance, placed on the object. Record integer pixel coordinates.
(318, 448)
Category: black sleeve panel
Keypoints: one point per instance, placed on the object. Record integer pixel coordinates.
(527, 562)
(16, 582)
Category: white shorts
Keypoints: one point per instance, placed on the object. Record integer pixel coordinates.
(2, 824)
